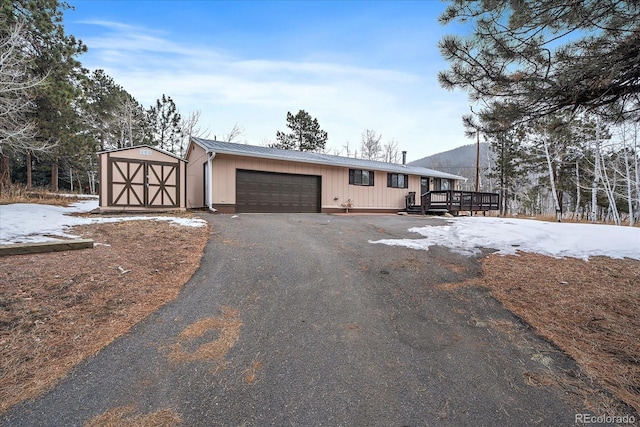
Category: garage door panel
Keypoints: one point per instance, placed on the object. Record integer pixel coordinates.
(276, 192)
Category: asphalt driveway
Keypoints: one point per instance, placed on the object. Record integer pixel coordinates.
(299, 320)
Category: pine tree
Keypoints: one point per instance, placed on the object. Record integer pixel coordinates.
(166, 127)
(305, 134)
(53, 58)
(547, 55)
(112, 116)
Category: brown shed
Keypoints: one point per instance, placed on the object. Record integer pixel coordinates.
(142, 178)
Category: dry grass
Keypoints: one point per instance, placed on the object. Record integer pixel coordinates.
(588, 309)
(227, 328)
(124, 416)
(56, 309)
(251, 374)
(20, 194)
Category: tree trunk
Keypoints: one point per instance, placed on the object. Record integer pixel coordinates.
(629, 190)
(5, 176)
(596, 178)
(575, 214)
(609, 191)
(92, 182)
(80, 190)
(29, 171)
(503, 190)
(637, 167)
(54, 177)
(552, 179)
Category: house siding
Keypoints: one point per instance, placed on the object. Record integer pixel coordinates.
(335, 187)
(335, 183)
(195, 176)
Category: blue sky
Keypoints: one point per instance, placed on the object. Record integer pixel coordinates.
(354, 65)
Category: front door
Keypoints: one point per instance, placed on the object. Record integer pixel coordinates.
(424, 185)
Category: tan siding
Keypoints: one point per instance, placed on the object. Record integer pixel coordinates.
(335, 182)
(195, 191)
(136, 153)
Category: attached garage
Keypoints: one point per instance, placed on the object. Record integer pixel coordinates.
(141, 178)
(258, 191)
(242, 178)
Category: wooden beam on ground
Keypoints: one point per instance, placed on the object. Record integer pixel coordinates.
(40, 247)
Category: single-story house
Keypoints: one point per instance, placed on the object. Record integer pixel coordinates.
(141, 178)
(239, 178)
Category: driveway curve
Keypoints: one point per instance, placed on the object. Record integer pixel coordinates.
(299, 320)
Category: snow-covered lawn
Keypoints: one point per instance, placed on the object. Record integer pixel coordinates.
(466, 235)
(25, 222)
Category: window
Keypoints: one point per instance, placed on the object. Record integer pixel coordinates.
(397, 180)
(443, 184)
(360, 177)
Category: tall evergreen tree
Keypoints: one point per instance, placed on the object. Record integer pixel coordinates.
(166, 126)
(53, 56)
(506, 140)
(305, 134)
(543, 56)
(113, 117)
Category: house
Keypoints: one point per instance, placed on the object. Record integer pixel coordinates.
(141, 179)
(238, 178)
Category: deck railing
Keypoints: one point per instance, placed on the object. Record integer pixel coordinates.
(455, 201)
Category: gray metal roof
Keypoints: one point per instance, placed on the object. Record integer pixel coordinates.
(316, 158)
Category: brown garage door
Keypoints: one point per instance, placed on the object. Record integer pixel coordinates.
(276, 192)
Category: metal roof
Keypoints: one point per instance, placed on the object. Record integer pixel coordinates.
(316, 158)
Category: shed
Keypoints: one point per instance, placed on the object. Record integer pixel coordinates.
(142, 178)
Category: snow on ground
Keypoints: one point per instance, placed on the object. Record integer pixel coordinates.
(467, 235)
(25, 222)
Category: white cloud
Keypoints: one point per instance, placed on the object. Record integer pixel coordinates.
(258, 92)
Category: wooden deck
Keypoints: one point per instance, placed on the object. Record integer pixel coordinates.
(453, 201)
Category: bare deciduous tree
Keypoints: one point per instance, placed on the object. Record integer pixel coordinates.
(236, 132)
(390, 152)
(370, 146)
(17, 131)
(191, 128)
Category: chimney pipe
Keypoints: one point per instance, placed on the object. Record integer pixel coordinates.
(404, 157)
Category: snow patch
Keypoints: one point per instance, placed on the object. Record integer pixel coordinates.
(467, 235)
(27, 223)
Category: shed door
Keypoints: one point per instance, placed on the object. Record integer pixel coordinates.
(139, 183)
(276, 192)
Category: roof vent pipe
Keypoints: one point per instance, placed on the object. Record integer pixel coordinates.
(404, 157)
